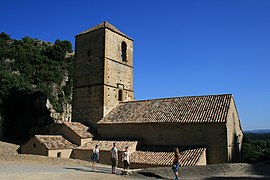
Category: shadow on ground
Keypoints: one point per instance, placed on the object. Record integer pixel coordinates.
(149, 174)
(235, 171)
(103, 170)
(237, 178)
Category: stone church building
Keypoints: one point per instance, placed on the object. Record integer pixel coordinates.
(206, 129)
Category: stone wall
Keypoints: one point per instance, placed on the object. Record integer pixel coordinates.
(118, 73)
(101, 75)
(235, 135)
(212, 136)
(33, 146)
(67, 133)
(202, 161)
(85, 154)
(88, 78)
(70, 135)
(62, 153)
(73, 137)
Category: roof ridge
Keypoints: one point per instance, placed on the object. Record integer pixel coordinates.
(178, 97)
(104, 24)
(48, 135)
(154, 151)
(185, 150)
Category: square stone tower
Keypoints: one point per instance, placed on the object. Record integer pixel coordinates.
(103, 73)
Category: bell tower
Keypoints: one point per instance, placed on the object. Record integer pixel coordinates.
(103, 73)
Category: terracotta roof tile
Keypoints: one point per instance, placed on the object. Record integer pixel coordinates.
(104, 24)
(52, 142)
(80, 129)
(107, 145)
(190, 109)
(187, 158)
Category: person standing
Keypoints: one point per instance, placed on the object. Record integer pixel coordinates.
(175, 163)
(126, 158)
(95, 156)
(114, 158)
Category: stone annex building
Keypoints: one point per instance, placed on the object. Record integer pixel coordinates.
(206, 129)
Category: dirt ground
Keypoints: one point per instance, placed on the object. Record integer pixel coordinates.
(218, 171)
(32, 167)
(22, 167)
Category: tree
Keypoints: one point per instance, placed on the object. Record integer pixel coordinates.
(256, 147)
(31, 65)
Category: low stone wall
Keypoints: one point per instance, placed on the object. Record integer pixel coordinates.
(61, 153)
(210, 135)
(85, 155)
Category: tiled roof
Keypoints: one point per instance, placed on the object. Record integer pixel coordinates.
(190, 109)
(104, 24)
(107, 145)
(52, 142)
(191, 157)
(187, 158)
(80, 129)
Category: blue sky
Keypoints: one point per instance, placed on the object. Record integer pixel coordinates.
(181, 48)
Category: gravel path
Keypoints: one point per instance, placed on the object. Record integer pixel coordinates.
(22, 171)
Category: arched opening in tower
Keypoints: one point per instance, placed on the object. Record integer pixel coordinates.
(124, 51)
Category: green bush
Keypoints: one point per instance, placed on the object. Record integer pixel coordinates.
(30, 65)
(256, 147)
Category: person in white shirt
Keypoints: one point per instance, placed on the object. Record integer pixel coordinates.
(95, 157)
(126, 158)
(114, 158)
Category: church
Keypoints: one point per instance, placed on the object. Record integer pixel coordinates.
(206, 128)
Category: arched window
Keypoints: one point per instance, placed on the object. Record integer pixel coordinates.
(124, 51)
(120, 95)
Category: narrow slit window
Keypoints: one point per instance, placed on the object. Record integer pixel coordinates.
(124, 51)
(120, 95)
